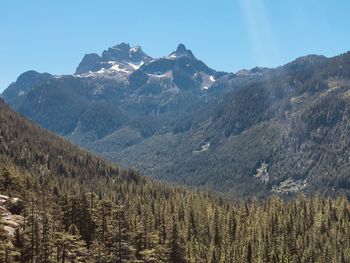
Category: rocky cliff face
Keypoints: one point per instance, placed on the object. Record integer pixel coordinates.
(11, 220)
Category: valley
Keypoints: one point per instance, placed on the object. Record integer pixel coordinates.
(175, 119)
(218, 133)
(59, 203)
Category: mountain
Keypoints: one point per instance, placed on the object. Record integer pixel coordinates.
(24, 83)
(260, 131)
(146, 99)
(95, 103)
(279, 130)
(59, 203)
(120, 59)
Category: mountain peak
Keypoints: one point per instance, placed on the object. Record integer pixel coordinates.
(123, 51)
(122, 46)
(181, 51)
(181, 48)
(120, 58)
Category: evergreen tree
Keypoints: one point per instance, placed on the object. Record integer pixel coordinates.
(177, 253)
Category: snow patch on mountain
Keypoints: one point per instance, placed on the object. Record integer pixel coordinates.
(117, 67)
(204, 147)
(136, 66)
(207, 80)
(21, 93)
(172, 56)
(134, 49)
(157, 76)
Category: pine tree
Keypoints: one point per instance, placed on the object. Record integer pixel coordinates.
(123, 250)
(177, 253)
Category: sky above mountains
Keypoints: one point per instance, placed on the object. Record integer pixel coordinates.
(53, 36)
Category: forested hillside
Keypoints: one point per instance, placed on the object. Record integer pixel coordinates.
(173, 118)
(79, 208)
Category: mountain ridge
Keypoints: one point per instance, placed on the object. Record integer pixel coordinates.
(174, 118)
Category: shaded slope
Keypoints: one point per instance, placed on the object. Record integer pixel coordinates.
(38, 151)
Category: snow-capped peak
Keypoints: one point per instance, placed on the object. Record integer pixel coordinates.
(119, 58)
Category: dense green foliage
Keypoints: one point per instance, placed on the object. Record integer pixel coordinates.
(104, 220)
(79, 208)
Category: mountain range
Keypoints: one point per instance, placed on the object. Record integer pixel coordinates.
(260, 131)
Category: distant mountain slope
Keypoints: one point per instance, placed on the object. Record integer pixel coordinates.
(255, 131)
(285, 131)
(155, 92)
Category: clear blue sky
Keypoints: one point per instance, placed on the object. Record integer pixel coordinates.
(52, 36)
